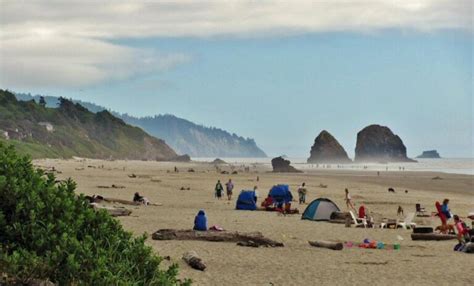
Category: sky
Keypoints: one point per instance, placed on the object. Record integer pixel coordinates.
(276, 71)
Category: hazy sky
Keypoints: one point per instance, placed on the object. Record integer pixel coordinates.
(276, 71)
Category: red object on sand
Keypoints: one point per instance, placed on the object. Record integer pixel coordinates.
(441, 215)
(362, 212)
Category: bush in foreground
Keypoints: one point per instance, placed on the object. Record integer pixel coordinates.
(47, 232)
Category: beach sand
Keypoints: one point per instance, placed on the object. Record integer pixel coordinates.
(416, 263)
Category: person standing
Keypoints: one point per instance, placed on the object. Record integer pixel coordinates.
(348, 199)
(229, 188)
(218, 190)
(302, 193)
(256, 193)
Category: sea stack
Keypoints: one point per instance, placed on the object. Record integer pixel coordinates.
(377, 143)
(281, 165)
(431, 154)
(326, 149)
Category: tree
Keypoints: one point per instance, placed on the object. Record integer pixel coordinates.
(47, 232)
(42, 101)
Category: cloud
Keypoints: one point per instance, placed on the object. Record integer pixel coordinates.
(116, 19)
(47, 60)
(44, 43)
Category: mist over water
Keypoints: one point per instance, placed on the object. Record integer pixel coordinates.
(444, 165)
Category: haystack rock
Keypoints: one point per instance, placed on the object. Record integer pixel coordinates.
(431, 154)
(281, 165)
(218, 161)
(326, 149)
(377, 143)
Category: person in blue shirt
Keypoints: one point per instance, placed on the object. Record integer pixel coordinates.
(200, 221)
(445, 209)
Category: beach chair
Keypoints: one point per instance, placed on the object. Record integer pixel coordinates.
(389, 223)
(358, 221)
(407, 223)
(419, 210)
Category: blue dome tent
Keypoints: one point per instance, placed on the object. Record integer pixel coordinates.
(320, 209)
(246, 201)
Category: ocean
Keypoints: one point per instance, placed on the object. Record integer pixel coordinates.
(444, 165)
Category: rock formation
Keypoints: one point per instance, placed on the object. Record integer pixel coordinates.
(281, 165)
(326, 149)
(181, 158)
(431, 154)
(218, 161)
(377, 143)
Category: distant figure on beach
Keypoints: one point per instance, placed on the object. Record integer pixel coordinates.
(349, 203)
(302, 193)
(378, 173)
(218, 190)
(229, 187)
(256, 193)
(258, 178)
(200, 221)
(400, 211)
(140, 199)
(176, 169)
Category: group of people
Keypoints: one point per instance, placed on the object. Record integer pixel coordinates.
(229, 188)
(461, 229)
(219, 189)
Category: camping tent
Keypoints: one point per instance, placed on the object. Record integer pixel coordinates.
(281, 194)
(246, 201)
(320, 209)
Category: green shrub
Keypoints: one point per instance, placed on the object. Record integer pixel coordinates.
(47, 232)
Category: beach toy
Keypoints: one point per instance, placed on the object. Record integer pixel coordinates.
(380, 245)
(366, 240)
(373, 244)
(396, 246)
(349, 244)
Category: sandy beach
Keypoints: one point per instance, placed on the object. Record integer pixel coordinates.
(297, 263)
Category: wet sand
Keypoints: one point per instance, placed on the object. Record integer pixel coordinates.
(416, 263)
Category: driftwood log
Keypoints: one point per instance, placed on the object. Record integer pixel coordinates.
(193, 260)
(130, 203)
(432, 236)
(114, 211)
(123, 202)
(327, 244)
(255, 238)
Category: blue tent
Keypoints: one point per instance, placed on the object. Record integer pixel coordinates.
(281, 194)
(320, 209)
(246, 201)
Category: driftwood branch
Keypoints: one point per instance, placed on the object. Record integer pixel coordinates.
(327, 244)
(251, 239)
(126, 202)
(193, 260)
(114, 211)
(432, 236)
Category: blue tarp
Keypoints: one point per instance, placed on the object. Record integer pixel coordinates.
(281, 194)
(246, 201)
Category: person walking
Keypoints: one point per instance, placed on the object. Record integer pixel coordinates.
(348, 199)
(218, 190)
(229, 188)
